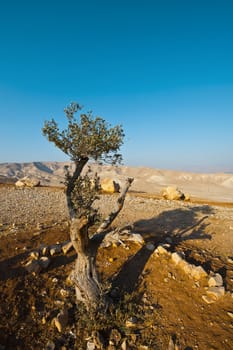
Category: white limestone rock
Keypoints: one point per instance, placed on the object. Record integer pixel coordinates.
(215, 280)
(216, 292)
(176, 258)
(172, 193)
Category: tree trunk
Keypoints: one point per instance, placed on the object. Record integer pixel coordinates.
(71, 184)
(85, 277)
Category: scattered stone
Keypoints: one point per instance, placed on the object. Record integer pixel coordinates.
(215, 292)
(173, 193)
(135, 237)
(90, 345)
(197, 272)
(169, 275)
(161, 250)
(44, 262)
(176, 258)
(230, 314)
(115, 238)
(185, 266)
(34, 255)
(208, 299)
(27, 182)
(109, 186)
(215, 280)
(33, 266)
(20, 184)
(60, 322)
(64, 293)
(43, 249)
(55, 249)
(39, 226)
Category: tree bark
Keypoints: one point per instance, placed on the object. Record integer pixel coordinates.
(79, 165)
(85, 277)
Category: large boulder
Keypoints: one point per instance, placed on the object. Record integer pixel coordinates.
(173, 193)
(109, 186)
(27, 182)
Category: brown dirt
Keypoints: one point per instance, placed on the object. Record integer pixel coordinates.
(172, 302)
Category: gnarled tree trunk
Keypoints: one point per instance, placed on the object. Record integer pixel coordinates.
(85, 277)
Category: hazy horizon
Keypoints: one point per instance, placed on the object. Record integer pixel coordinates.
(162, 69)
(124, 165)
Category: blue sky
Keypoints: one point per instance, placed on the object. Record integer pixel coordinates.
(162, 68)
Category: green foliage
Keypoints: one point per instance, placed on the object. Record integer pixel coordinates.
(84, 194)
(103, 323)
(89, 137)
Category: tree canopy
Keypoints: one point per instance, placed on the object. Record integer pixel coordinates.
(87, 138)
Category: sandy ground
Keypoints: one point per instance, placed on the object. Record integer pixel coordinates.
(172, 301)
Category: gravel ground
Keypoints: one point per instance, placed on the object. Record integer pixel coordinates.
(39, 204)
(32, 207)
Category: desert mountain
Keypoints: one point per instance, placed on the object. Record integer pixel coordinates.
(216, 186)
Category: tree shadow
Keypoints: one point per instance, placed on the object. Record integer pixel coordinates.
(12, 267)
(178, 224)
(173, 226)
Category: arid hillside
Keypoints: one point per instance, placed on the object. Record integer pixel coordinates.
(167, 264)
(216, 187)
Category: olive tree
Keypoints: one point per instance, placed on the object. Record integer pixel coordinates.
(85, 139)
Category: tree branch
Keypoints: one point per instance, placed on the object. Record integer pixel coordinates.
(71, 184)
(120, 202)
(79, 235)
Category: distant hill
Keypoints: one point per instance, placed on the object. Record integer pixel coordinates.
(49, 173)
(217, 186)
